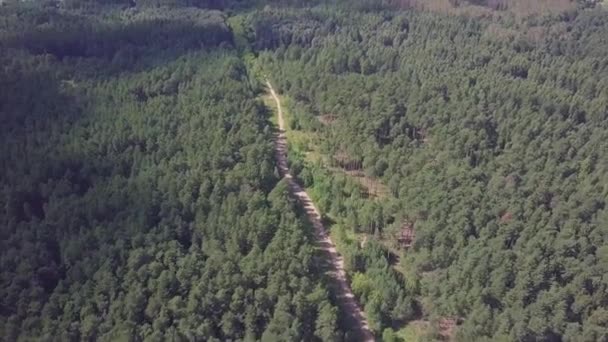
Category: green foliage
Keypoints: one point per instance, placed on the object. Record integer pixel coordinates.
(388, 335)
(491, 134)
(138, 192)
(139, 199)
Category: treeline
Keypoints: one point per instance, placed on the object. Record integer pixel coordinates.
(387, 298)
(139, 196)
(490, 132)
(123, 38)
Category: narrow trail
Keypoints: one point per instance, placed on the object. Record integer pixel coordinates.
(346, 299)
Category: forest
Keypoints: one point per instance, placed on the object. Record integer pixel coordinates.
(458, 150)
(490, 133)
(139, 195)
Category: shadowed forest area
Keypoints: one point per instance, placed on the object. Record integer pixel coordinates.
(140, 200)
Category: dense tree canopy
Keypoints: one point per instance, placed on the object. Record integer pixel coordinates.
(491, 133)
(139, 198)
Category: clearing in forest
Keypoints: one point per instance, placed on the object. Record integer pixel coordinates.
(346, 299)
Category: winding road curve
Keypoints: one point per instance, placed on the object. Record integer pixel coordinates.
(346, 300)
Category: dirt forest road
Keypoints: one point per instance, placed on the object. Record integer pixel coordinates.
(346, 300)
